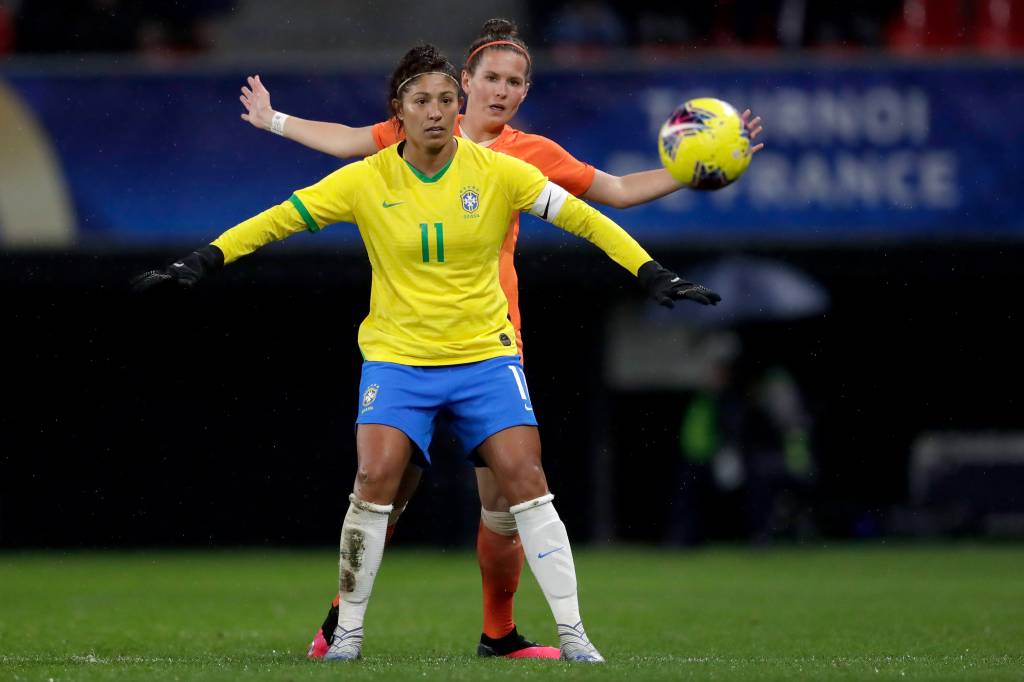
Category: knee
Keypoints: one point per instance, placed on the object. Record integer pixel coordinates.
(494, 503)
(369, 475)
(376, 484)
(530, 483)
(534, 473)
(491, 497)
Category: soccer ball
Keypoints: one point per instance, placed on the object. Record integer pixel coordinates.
(704, 144)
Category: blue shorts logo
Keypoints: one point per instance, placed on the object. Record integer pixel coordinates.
(369, 396)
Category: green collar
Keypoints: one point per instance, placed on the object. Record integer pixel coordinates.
(430, 178)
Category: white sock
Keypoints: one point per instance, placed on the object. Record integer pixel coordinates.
(547, 550)
(361, 551)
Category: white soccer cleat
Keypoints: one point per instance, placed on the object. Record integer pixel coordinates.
(576, 646)
(347, 645)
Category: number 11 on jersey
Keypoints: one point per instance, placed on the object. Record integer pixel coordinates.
(425, 241)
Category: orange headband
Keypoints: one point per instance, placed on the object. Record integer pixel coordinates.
(498, 42)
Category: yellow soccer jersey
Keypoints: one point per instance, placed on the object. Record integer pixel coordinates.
(434, 246)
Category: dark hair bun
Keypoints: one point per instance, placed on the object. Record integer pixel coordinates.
(499, 28)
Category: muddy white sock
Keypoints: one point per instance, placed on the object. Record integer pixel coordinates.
(361, 551)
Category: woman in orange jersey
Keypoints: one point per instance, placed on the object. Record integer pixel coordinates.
(496, 80)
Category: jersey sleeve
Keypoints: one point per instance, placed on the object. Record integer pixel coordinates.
(583, 220)
(332, 200)
(387, 133)
(561, 167)
(522, 181)
(530, 191)
(276, 223)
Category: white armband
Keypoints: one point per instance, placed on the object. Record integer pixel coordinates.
(277, 123)
(549, 203)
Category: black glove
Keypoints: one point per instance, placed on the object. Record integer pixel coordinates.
(185, 272)
(665, 286)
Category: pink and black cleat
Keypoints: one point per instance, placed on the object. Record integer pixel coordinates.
(321, 643)
(319, 646)
(514, 645)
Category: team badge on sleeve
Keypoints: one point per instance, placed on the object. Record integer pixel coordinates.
(470, 201)
(369, 396)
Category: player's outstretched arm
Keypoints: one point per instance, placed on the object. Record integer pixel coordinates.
(342, 141)
(563, 210)
(273, 224)
(623, 191)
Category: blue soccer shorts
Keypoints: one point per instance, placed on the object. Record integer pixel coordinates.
(476, 400)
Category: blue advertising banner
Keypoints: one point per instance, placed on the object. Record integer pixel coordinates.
(853, 153)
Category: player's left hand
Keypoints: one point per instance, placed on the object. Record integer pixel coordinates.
(754, 127)
(666, 287)
(185, 272)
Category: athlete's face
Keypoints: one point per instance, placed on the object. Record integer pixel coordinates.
(428, 109)
(498, 86)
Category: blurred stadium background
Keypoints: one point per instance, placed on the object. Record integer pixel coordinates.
(861, 379)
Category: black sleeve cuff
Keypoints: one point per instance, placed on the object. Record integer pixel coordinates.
(211, 257)
(648, 271)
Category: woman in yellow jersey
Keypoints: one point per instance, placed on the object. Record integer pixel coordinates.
(496, 77)
(432, 213)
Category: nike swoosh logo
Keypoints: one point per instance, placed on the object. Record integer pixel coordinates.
(387, 205)
(546, 207)
(541, 555)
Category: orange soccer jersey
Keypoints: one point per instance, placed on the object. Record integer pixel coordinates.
(561, 167)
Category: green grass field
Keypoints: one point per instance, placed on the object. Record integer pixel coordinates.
(945, 613)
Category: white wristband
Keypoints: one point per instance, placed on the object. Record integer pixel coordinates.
(277, 123)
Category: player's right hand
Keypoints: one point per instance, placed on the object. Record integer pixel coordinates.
(754, 128)
(184, 272)
(666, 287)
(256, 100)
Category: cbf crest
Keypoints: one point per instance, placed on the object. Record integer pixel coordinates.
(470, 197)
(369, 396)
